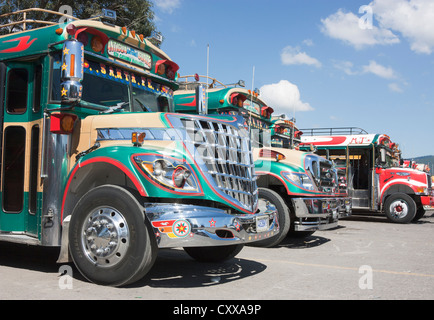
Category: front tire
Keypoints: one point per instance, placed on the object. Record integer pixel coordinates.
(400, 208)
(283, 218)
(109, 239)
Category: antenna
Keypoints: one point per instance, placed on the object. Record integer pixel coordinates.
(207, 75)
(251, 101)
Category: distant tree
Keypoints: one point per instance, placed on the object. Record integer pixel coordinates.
(134, 14)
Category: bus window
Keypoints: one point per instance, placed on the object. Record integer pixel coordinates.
(13, 168)
(16, 99)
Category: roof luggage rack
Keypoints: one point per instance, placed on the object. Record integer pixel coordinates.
(188, 84)
(333, 131)
(27, 22)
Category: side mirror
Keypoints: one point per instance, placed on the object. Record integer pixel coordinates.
(383, 155)
(71, 71)
(201, 107)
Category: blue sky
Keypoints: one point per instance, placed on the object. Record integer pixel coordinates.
(334, 63)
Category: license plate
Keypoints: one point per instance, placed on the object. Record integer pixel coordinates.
(262, 224)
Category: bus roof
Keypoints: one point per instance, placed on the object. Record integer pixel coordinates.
(48, 36)
(344, 141)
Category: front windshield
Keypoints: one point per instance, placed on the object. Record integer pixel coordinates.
(390, 162)
(107, 85)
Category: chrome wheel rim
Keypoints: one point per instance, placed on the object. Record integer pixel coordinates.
(399, 209)
(105, 237)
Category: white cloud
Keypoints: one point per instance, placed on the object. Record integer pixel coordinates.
(168, 6)
(379, 70)
(293, 55)
(345, 26)
(308, 42)
(395, 87)
(346, 66)
(414, 19)
(284, 97)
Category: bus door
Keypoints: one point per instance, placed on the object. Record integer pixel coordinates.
(359, 164)
(20, 158)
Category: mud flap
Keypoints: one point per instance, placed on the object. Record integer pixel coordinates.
(64, 256)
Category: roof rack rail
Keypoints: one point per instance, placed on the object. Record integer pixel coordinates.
(26, 20)
(333, 131)
(196, 79)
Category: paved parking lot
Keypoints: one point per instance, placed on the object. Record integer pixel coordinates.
(364, 258)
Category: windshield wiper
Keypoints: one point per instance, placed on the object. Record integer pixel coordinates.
(119, 106)
(144, 108)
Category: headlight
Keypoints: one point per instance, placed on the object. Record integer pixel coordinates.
(301, 179)
(168, 172)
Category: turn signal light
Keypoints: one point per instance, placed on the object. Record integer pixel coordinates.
(267, 153)
(137, 138)
(62, 123)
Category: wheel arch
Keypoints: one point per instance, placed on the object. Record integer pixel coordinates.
(93, 173)
(397, 188)
(271, 181)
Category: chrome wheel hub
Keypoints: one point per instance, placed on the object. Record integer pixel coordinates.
(399, 209)
(105, 236)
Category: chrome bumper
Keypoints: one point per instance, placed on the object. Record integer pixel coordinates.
(181, 225)
(319, 213)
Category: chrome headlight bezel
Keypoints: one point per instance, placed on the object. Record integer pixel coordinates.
(170, 173)
(303, 180)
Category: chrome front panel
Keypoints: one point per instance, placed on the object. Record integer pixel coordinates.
(54, 172)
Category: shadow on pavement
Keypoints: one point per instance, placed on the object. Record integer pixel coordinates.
(175, 269)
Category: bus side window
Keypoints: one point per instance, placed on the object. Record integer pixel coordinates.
(13, 169)
(16, 96)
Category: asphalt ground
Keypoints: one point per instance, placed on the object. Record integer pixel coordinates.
(364, 258)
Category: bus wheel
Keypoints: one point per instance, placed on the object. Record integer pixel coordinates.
(283, 218)
(214, 254)
(419, 214)
(400, 208)
(109, 238)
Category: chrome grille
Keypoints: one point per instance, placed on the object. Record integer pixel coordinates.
(323, 172)
(225, 151)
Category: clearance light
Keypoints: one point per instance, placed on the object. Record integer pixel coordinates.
(266, 111)
(59, 31)
(279, 129)
(83, 38)
(298, 134)
(161, 70)
(267, 153)
(237, 99)
(97, 44)
(166, 67)
(124, 30)
(62, 123)
(71, 29)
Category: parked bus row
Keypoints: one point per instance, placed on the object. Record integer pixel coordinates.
(108, 154)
